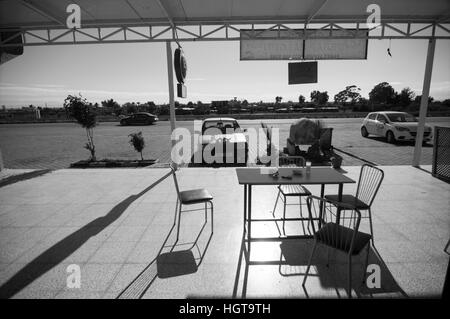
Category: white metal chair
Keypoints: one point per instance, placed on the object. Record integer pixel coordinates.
(192, 197)
(370, 179)
(296, 191)
(339, 230)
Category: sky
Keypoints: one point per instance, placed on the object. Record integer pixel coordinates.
(137, 72)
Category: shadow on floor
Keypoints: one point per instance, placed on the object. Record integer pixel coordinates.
(168, 264)
(23, 177)
(65, 247)
(294, 255)
(397, 143)
(196, 162)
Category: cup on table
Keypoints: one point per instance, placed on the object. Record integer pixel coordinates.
(308, 167)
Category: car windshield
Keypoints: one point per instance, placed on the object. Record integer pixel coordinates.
(401, 117)
(223, 126)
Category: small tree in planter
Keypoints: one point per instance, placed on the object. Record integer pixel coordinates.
(137, 140)
(79, 109)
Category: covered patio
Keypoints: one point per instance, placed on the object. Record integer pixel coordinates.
(114, 224)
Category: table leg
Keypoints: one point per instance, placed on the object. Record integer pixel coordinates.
(322, 194)
(249, 220)
(245, 209)
(338, 213)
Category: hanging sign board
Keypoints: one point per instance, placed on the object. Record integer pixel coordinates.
(283, 45)
(327, 48)
(262, 49)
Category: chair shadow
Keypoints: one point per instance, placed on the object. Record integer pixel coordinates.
(167, 265)
(294, 256)
(335, 276)
(68, 245)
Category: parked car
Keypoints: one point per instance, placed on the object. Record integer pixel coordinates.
(394, 126)
(227, 131)
(140, 118)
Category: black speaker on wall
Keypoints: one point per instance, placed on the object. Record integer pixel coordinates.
(302, 72)
(10, 52)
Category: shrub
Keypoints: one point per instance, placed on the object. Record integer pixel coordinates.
(137, 140)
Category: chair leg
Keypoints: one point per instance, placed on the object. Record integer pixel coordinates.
(276, 203)
(179, 222)
(366, 263)
(206, 212)
(328, 257)
(350, 275)
(370, 223)
(212, 217)
(309, 262)
(176, 212)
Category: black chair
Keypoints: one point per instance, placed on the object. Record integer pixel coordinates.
(192, 197)
(339, 230)
(370, 179)
(295, 191)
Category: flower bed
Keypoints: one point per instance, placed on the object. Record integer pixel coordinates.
(111, 163)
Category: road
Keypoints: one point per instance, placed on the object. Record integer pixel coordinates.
(56, 145)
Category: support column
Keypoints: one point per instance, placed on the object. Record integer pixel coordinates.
(424, 103)
(171, 91)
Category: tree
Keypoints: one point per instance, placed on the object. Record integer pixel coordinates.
(130, 107)
(319, 97)
(419, 98)
(137, 140)
(278, 99)
(116, 109)
(382, 93)
(79, 109)
(405, 97)
(350, 94)
(301, 99)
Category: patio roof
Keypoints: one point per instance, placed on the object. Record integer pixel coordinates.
(44, 13)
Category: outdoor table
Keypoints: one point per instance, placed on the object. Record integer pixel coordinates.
(256, 176)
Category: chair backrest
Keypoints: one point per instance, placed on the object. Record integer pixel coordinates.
(174, 167)
(370, 179)
(292, 161)
(332, 227)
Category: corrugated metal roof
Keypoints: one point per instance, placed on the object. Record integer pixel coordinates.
(52, 13)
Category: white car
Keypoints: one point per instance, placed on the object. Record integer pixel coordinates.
(233, 148)
(395, 126)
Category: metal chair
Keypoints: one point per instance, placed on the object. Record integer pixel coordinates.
(285, 191)
(339, 230)
(192, 197)
(370, 179)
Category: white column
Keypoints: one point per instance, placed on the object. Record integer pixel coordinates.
(424, 103)
(171, 91)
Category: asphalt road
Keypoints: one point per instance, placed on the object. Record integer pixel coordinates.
(56, 145)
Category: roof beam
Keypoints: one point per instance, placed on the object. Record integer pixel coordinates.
(316, 7)
(43, 11)
(166, 12)
(133, 8)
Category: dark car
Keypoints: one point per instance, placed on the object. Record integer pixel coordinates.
(141, 118)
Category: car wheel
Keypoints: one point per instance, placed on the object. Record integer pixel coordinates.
(390, 137)
(123, 123)
(364, 132)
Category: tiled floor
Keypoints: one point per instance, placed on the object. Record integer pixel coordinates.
(113, 225)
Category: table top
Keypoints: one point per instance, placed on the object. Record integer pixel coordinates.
(318, 175)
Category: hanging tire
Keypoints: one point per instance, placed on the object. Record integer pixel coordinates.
(364, 132)
(390, 138)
